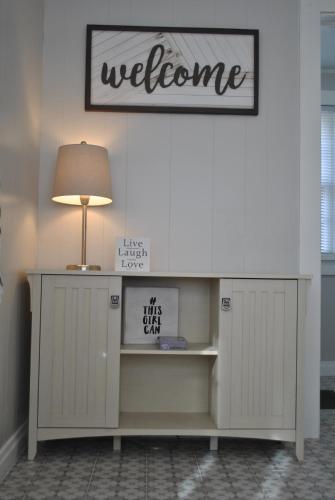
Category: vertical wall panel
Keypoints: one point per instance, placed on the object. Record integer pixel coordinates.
(256, 166)
(191, 193)
(146, 12)
(228, 249)
(148, 183)
(213, 193)
(230, 14)
(282, 144)
(193, 13)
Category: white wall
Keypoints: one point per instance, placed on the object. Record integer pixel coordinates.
(21, 28)
(214, 193)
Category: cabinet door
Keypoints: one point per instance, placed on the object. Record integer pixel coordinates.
(79, 352)
(257, 369)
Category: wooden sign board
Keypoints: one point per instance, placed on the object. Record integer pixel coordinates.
(132, 254)
(171, 70)
(150, 312)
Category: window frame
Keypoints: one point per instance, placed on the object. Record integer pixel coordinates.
(326, 256)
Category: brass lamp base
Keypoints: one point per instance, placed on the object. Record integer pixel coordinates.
(83, 267)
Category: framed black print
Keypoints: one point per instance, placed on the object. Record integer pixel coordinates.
(172, 70)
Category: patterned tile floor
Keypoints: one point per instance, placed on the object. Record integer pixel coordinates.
(176, 468)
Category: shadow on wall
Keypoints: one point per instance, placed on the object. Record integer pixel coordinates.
(15, 321)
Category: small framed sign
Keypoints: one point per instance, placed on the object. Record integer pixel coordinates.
(171, 70)
(132, 254)
(150, 312)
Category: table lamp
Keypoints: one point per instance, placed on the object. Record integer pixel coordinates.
(82, 178)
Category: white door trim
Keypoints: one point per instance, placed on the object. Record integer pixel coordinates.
(310, 258)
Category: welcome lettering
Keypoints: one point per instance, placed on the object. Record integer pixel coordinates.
(139, 74)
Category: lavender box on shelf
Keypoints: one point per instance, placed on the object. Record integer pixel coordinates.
(166, 343)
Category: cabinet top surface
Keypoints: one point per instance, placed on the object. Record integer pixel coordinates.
(163, 274)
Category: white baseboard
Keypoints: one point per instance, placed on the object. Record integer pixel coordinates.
(11, 450)
(327, 369)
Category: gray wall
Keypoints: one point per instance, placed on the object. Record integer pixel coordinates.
(214, 193)
(21, 28)
(328, 318)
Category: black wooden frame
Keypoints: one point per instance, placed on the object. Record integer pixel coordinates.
(170, 109)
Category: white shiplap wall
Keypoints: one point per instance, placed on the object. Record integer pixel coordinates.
(21, 30)
(214, 193)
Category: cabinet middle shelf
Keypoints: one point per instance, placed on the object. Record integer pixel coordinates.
(193, 349)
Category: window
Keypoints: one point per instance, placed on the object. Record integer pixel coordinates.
(328, 179)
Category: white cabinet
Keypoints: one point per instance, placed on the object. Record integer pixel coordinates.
(79, 352)
(241, 375)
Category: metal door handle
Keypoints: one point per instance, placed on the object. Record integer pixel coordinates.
(115, 301)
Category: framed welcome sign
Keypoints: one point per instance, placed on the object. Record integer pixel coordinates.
(171, 70)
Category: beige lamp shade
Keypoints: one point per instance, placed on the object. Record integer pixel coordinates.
(82, 171)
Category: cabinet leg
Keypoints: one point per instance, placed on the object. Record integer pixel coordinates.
(117, 443)
(213, 443)
(299, 449)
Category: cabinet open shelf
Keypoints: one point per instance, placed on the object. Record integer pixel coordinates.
(169, 423)
(193, 349)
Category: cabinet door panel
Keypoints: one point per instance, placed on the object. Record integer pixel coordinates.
(79, 352)
(258, 346)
